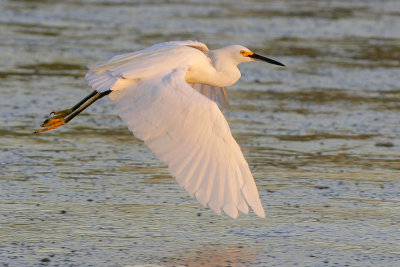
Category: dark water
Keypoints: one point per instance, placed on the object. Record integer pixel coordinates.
(322, 137)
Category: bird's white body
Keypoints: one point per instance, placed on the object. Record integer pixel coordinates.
(165, 96)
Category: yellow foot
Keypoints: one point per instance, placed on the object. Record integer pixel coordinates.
(58, 117)
(51, 121)
(53, 125)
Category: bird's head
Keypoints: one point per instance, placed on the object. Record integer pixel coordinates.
(242, 54)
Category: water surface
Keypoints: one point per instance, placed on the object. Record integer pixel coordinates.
(322, 137)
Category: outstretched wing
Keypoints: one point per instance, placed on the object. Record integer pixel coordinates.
(120, 70)
(188, 132)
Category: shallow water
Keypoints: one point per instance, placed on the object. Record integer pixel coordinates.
(322, 137)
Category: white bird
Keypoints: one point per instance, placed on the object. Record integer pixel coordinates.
(166, 94)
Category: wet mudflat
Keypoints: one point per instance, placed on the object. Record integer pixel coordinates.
(322, 137)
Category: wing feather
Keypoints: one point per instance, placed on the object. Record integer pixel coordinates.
(205, 189)
(218, 94)
(187, 171)
(231, 197)
(242, 205)
(122, 70)
(195, 181)
(196, 172)
(217, 198)
(188, 132)
(182, 161)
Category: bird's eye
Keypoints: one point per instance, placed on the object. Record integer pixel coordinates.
(242, 52)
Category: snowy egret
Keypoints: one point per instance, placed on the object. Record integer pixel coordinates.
(167, 94)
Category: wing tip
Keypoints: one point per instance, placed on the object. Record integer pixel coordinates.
(231, 211)
(260, 213)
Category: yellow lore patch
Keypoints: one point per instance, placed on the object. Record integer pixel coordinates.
(246, 53)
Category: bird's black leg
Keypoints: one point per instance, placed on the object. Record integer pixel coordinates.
(65, 112)
(64, 116)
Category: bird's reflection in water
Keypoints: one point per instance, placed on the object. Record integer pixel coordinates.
(214, 255)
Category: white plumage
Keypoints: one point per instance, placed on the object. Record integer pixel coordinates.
(165, 96)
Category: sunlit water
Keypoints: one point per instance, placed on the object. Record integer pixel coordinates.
(322, 137)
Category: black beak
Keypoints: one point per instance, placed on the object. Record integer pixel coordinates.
(271, 61)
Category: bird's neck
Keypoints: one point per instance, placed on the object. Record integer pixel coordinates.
(227, 76)
(226, 71)
(219, 77)
(219, 73)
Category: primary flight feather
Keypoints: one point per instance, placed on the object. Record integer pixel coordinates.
(166, 94)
